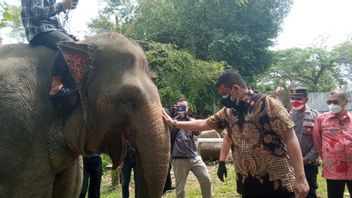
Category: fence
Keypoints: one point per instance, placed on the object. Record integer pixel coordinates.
(318, 100)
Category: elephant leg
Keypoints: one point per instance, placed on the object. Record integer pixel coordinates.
(68, 183)
(17, 187)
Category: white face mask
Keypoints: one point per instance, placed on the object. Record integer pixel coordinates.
(335, 108)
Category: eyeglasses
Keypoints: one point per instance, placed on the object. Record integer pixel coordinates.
(332, 102)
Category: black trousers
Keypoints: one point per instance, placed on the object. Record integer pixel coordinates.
(311, 172)
(336, 188)
(92, 171)
(51, 39)
(128, 165)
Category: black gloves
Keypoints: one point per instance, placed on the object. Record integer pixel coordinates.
(222, 170)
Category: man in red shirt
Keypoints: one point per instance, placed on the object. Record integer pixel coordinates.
(333, 141)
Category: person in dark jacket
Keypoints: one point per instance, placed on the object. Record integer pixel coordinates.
(185, 157)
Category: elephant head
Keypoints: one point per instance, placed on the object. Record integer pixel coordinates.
(118, 102)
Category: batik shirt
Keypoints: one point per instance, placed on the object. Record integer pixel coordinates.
(260, 156)
(40, 16)
(333, 140)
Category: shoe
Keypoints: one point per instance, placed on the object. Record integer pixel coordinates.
(64, 92)
(171, 188)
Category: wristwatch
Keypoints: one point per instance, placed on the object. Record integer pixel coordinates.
(174, 123)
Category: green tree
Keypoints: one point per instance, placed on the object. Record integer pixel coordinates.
(315, 68)
(216, 29)
(11, 18)
(180, 74)
(113, 15)
(236, 31)
(343, 52)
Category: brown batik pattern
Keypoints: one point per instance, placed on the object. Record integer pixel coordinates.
(258, 148)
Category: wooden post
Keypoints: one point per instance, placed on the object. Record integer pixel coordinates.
(209, 148)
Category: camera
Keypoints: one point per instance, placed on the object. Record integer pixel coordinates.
(181, 109)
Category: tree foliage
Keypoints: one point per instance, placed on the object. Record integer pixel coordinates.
(113, 15)
(180, 74)
(236, 31)
(315, 68)
(216, 29)
(11, 18)
(343, 52)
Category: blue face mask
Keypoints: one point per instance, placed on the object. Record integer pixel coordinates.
(228, 102)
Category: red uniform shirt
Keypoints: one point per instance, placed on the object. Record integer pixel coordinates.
(333, 140)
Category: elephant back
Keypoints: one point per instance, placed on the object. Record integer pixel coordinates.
(24, 50)
(25, 74)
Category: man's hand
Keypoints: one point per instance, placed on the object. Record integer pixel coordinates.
(301, 188)
(69, 4)
(169, 121)
(222, 170)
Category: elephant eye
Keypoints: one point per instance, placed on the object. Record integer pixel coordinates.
(132, 102)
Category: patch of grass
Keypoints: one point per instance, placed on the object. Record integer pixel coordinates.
(220, 189)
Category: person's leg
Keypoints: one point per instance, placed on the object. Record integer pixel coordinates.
(200, 170)
(51, 39)
(311, 172)
(335, 188)
(60, 70)
(181, 170)
(85, 180)
(96, 171)
(126, 177)
(135, 176)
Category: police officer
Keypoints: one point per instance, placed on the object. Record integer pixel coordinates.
(304, 118)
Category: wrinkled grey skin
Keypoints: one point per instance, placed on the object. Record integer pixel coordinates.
(39, 153)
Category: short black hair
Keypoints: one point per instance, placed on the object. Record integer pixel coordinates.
(230, 77)
(182, 99)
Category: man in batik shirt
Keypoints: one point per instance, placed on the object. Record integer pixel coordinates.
(333, 140)
(266, 152)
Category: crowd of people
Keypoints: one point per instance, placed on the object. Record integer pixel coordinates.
(275, 151)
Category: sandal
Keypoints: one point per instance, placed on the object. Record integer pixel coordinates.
(64, 92)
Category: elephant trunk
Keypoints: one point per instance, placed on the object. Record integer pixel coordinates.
(152, 144)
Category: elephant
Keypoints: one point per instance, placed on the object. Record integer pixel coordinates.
(41, 146)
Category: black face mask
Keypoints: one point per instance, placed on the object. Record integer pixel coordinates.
(227, 102)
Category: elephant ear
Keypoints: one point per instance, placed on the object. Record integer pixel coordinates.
(80, 64)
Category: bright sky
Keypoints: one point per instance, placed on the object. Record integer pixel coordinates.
(311, 20)
(308, 22)
(79, 17)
